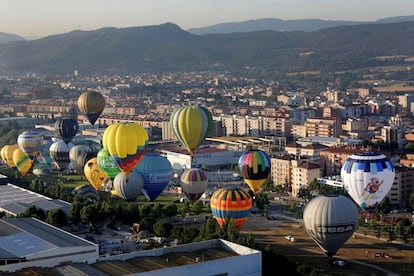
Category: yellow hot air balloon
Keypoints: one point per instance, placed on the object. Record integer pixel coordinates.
(95, 175)
(126, 143)
(92, 104)
(22, 161)
(191, 125)
(7, 154)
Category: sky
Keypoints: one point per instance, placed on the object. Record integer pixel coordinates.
(38, 18)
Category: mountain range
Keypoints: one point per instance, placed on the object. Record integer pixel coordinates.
(280, 25)
(167, 47)
(6, 38)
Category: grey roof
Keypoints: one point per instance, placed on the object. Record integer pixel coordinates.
(47, 232)
(15, 200)
(23, 244)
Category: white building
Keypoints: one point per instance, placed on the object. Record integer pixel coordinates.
(204, 157)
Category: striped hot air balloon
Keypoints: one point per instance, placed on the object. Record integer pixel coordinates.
(230, 202)
(194, 183)
(30, 142)
(191, 125)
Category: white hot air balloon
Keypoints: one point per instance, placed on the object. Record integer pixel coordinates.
(367, 177)
(330, 220)
(128, 187)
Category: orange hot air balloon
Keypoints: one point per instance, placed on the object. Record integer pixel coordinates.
(231, 202)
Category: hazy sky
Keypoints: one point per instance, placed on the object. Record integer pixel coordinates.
(34, 18)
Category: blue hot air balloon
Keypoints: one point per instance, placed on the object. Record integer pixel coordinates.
(67, 128)
(156, 171)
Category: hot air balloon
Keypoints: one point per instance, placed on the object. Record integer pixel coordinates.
(254, 167)
(128, 187)
(74, 153)
(7, 154)
(156, 171)
(86, 191)
(67, 128)
(22, 161)
(126, 143)
(30, 142)
(94, 174)
(191, 125)
(107, 164)
(230, 202)
(59, 151)
(44, 153)
(367, 177)
(194, 183)
(92, 104)
(42, 170)
(83, 158)
(330, 220)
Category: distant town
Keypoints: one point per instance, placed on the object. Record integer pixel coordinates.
(307, 133)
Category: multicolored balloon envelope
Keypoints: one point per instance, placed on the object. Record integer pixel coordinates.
(254, 167)
(194, 183)
(230, 202)
(330, 220)
(22, 161)
(107, 164)
(92, 104)
(191, 125)
(128, 187)
(94, 174)
(367, 177)
(30, 142)
(156, 171)
(67, 128)
(7, 154)
(126, 143)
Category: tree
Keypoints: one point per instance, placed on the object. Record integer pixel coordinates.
(305, 193)
(261, 200)
(383, 207)
(399, 228)
(411, 201)
(89, 214)
(170, 210)
(147, 223)
(162, 229)
(197, 207)
(33, 211)
(57, 218)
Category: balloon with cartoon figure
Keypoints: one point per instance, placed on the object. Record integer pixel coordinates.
(367, 177)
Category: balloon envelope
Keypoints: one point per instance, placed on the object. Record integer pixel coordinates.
(230, 202)
(67, 128)
(126, 143)
(22, 161)
(330, 220)
(191, 125)
(59, 151)
(194, 183)
(254, 167)
(367, 177)
(30, 142)
(83, 158)
(92, 104)
(156, 171)
(128, 186)
(7, 154)
(74, 153)
(107, 164)
(94, 174)
(42, 169)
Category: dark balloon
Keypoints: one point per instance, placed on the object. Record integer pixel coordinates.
(67, 128)
(92, 104)
(83, 158)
